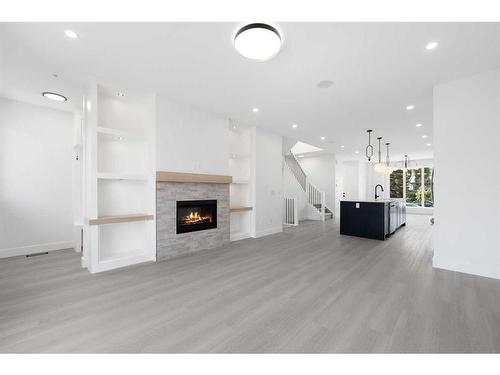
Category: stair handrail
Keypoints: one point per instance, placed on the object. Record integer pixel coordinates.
(296, 169)
(314, 196)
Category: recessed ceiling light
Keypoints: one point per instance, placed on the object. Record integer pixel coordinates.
(356, 152)
(424, 136)
(418, 125)
(255, 110)
(323, 138)
(410, 107)
(342, 146)
(120, 94)
(294, 126)
(428, 144)
(430, 46)
(325, 84)
(71, 34)
(53, 96)
(257, 41)
(300, 156)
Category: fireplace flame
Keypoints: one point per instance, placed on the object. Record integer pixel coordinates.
(195, 218)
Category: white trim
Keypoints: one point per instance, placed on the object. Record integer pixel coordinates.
(484, 270)
(238, 236)
(267, 232)
(33, 249)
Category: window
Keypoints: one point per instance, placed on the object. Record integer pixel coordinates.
(414, 185)
(397, 184)
(428, 187)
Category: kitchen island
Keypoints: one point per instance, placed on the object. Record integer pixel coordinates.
(376, 219)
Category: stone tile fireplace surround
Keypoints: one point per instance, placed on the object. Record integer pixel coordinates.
(173, 187)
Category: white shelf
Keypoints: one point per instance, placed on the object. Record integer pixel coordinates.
(114, 134)
(122, 176)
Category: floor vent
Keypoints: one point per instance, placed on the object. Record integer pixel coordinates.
(36, 254)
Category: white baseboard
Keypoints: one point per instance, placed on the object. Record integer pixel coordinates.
(33, 249)
(484, 270)
(267, 232)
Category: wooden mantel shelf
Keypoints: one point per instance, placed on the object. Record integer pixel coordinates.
(240, 208)
(192, 177)
(119, 219)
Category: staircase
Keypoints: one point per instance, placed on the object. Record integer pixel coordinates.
(315, 197)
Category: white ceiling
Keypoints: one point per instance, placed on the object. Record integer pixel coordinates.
(377, 69)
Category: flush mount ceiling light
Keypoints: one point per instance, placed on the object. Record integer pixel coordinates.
(410, 107)
(430, 46)
(255, 110)
(54, 96)
(71, 34)
(424, 136)
(257, 41)
(418, 125)
(356, 152)
(323, 138)
(342, 146)
(428, 144)
(294, 126)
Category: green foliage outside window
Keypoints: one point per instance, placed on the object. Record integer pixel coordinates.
(418, 183)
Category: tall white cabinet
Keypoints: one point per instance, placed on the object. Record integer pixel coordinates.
(119, 181)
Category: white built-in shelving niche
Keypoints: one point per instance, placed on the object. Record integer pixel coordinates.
(120, 179)
(240, 168)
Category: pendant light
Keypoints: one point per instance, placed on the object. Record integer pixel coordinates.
(388, 168)
(369, 148)
(379, 167)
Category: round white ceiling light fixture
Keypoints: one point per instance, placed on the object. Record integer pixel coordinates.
(71, 34)
(410, 107)
(294, 126)
(419, 125)
(54, 96)
(257, 41)
(323, 138)
(255, 110)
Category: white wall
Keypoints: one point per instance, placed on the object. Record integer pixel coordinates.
(190, 140)
(350, 181)
(467, 199)
(320, 171)
(35, 179)
(268, 170)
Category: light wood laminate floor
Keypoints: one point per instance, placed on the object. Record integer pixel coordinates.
(305, 290)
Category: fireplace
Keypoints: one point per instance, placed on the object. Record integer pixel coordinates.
(193, 216)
